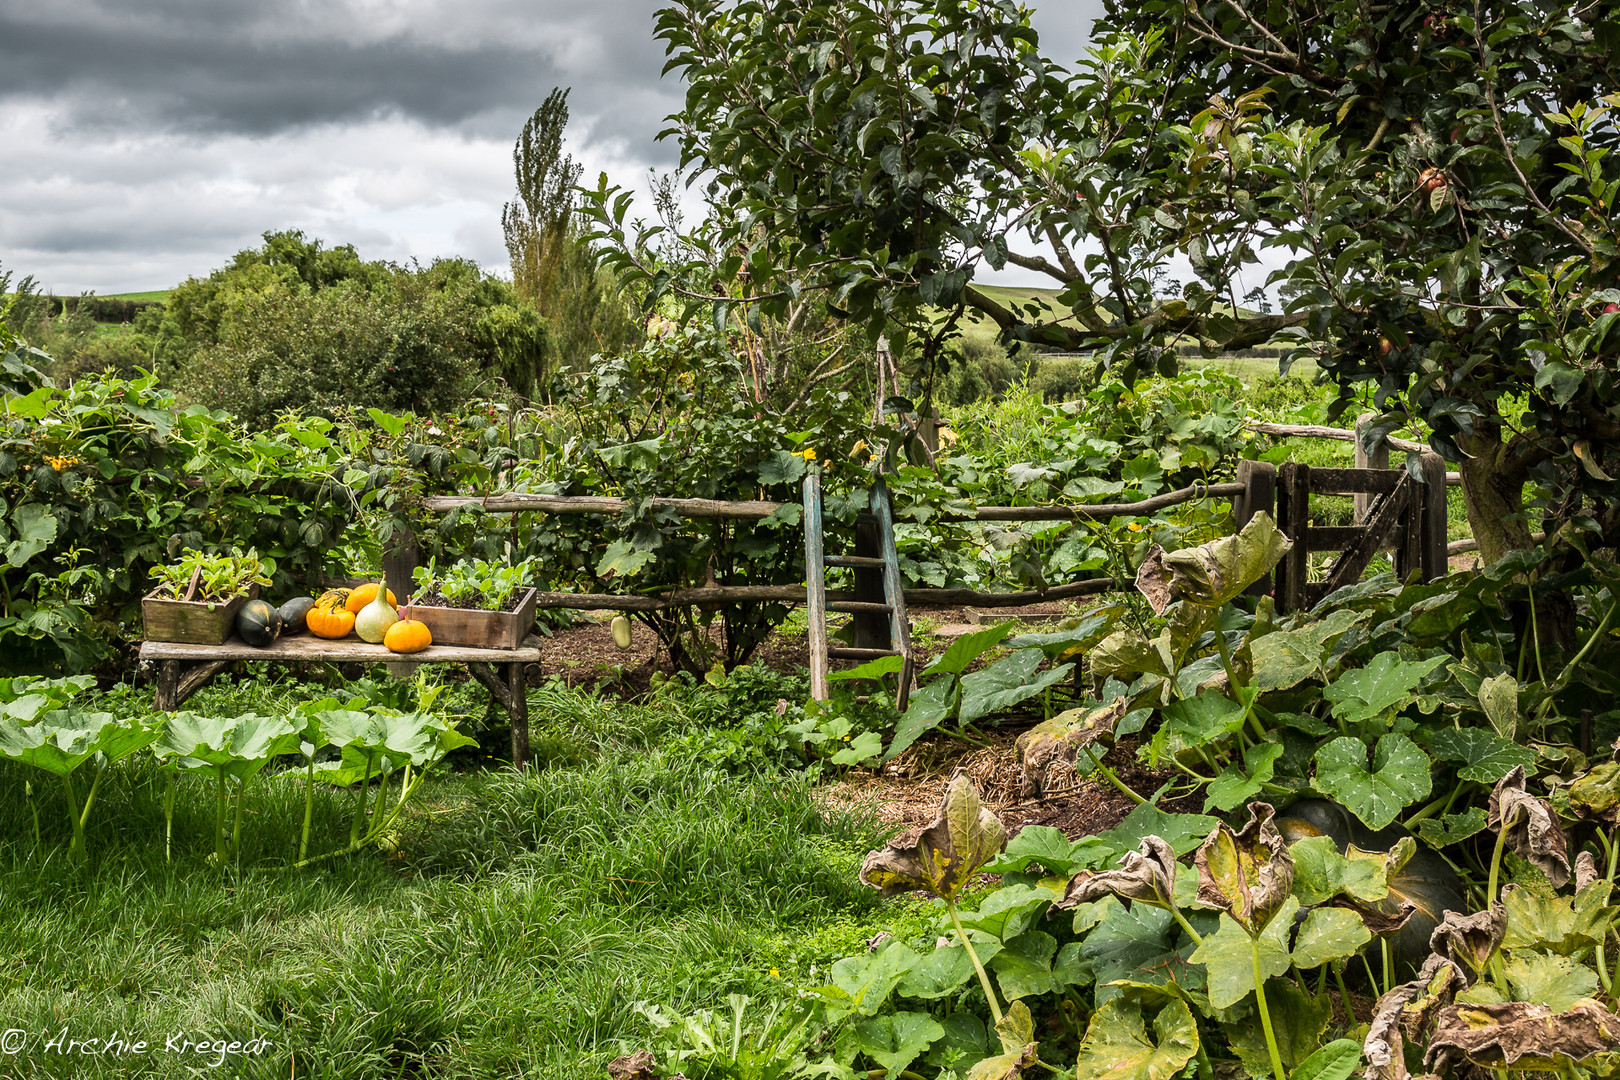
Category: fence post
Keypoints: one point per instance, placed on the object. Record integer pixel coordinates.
(1259, 480)
(1294, 508)
(1434, 559)
(1378, 459)
(399, 567)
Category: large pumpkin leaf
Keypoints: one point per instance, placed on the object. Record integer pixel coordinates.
(1051, 850)
(1335, 1061)
(1195, 722)
(1183, 832)
(238, 746)
(1298, 1020)
(1117, 1045)
(1147, 875)
(1135, 944)
(61, 740)
(1398, 776)
(1005, 683)
(895, 1041)
(1024, 967)
(1329, 933)
(1451, 828)
(1560, 924)
(1485, 756)
(1557, 982)
(1521, 1035)
(1215, 573)
(35, 528)
(961, 653)
(961, 839)
(1286, 658)
(1076, 639)
(862, 984)
(1008, 911)
(1530, 828)
(945, 969)
(1386, 684)
(927, 709)
(1229, 962)
(1321, 873)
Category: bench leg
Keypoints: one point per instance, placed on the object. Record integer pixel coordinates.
(179, 679)
(507, 689)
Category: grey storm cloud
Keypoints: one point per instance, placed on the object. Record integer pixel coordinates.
(204, 67)
(146, 140)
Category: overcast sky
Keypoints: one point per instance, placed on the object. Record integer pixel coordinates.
(144, 141)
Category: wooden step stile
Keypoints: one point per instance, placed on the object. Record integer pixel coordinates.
(893, 604)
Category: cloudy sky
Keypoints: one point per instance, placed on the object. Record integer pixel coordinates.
(145, 141)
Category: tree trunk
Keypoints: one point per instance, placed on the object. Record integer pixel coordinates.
(1493, 490)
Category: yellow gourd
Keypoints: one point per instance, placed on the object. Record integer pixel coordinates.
(408, 635)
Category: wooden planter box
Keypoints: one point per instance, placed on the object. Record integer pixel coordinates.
(191, 622)
(479, 629)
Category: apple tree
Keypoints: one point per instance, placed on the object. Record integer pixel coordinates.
(1429, 185)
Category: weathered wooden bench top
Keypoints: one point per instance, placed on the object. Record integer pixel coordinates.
(301, 647)
(183, 669)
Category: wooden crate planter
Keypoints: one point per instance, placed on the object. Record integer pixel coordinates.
(191, 622)
(479, 629)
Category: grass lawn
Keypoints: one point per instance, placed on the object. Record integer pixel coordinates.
(158, 295)
(512, 933)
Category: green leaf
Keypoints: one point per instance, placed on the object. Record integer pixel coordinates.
(1386, 684)
(1197, 721)
(1005, 683)
(1451, 828)
(1557, 982)
(1398, 777)
(1297, 1019)
(1486, 756)
(1117, 1046)
(1559, 924)
(1024, 967)
(1061, 643)
(945, 969)
(864, 747)
(927, 708)
(61, 740)
(1499, 698)
(1135, 944)
(390, 423)
(1183, 832)
(1236, 786)
(867, 981)
(895, 1041)
(1055, 852)
(1321, 873)
(1008, 911)
(238, 746)
(1226, 955)
(1286, 658)
(781, 467)
(1329, 933)
(35, 527)
(872, 669)
(961, 653)
(1335, 1061)
(622, 559)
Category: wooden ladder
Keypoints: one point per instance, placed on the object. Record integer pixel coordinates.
(879, 607)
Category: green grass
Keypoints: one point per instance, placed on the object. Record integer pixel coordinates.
(521, 920)
(158, 295)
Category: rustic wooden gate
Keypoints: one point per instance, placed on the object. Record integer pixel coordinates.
(1395, 512)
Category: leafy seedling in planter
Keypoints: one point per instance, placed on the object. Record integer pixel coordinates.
(40, 727)
(217, 577)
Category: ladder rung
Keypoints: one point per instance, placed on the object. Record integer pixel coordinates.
(853, 606)
(852, 560)
(862, 654)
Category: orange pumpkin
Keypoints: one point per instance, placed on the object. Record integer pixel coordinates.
(329, 618)
(364, 595)
(408, 636)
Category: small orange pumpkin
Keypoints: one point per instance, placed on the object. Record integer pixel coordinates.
(408, 635)
(364, 595)
(329, 618)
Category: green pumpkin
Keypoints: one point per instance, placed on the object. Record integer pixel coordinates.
(293, 613)
(258, 623)
(1427, 880)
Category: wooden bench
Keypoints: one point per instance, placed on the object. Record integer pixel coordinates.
(183, 669)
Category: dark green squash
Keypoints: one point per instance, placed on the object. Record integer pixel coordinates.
(1427, 880)
(258, 623)
(293, 613)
